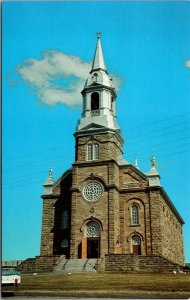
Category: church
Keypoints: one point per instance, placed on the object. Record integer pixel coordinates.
(104, 207)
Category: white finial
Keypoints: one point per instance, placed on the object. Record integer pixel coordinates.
(99, 34)
(153, 161)
(136, 162)
(50, 172)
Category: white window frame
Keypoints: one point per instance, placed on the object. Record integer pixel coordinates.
(134, 214)
(93, 151)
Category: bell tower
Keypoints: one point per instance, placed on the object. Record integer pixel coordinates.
(98, 117)
(95, 172)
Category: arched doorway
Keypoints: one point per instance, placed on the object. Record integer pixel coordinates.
(136, 245)
(93, 239)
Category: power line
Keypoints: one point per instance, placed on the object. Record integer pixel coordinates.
(161, 129)
(34, 163)
(161, 144)
(144, 125)
(156, 122)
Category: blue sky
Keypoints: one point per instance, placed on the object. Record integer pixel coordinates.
(47, 49)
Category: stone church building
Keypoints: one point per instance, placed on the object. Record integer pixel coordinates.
(104, 206)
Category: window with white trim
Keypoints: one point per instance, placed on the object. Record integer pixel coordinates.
(89, 152)
(135, 214)
(92, 152)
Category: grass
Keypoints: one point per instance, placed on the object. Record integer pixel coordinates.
(128, 285)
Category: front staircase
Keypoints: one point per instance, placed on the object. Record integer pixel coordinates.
(76, 266)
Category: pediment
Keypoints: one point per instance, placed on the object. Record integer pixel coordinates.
(92, 126)
(131, 177)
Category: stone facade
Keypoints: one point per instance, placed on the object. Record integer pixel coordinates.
(104, 205)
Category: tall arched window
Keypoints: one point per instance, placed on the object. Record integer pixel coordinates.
(65, 219)
(95, 103)
(134, 214)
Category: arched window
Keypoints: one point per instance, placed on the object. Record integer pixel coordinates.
(92, 151)
(134, 214)
(136, 244)
(95, 103)
(65, 219)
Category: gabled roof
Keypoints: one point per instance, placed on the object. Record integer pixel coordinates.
(65, 174)
(93, 126)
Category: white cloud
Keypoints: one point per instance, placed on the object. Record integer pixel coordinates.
(57, 77)
(187, 63)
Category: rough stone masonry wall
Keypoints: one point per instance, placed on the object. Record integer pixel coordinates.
(39, 264)
(114, 208)
(172, 238)
(128, 199)
(167, 237)
(83, 211)
(47, 226)
(130, 262)
(156, 222)
(109, 146)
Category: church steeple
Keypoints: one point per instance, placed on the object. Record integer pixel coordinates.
(98, 61)
(99, 97)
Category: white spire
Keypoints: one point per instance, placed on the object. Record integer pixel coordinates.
(99, 97)
(98, 62)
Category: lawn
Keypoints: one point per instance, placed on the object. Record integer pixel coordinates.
(126, 285)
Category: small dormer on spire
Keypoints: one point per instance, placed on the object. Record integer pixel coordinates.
(153, 175)
(49, 183)
(98, 61)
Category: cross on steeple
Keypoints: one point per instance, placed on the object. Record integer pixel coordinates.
(99, 34)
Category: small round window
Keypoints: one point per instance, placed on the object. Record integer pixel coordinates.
(92, 191)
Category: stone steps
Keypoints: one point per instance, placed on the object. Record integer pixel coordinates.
(66, 266)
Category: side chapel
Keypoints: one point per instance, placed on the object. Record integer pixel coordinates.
(103, 204)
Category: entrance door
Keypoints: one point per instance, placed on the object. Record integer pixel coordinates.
(93, 250)
(137, 249)
(136, 244)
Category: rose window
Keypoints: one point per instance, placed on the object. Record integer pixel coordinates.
(93, 229)
(92, 191)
